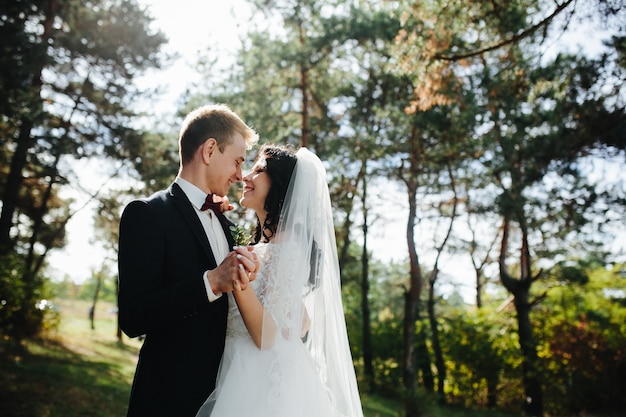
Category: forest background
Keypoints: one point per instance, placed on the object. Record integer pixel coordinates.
(509, 152)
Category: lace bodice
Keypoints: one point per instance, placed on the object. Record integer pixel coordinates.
(279, 293)
(235, 326)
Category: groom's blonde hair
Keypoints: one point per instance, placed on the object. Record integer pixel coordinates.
(215, 121)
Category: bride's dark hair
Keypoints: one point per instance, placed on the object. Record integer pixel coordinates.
(279, 164)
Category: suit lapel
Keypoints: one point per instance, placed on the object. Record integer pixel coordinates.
(191, 218)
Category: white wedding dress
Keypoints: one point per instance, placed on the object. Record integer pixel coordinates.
(265, 383)
(304, 367)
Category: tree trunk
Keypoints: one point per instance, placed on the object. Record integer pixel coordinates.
(432, 317)
(423, 362)
(24, 140)
(345, 244)
(533, 404)
(439, 363)
(492, 391)
(304, 87)
(118, 331)
(92, 309)
(347, 225)
(520, 289)
(365, 306)
(479, 287)
(13, 184)
(411, 305)
(479, 265)
(31, 265)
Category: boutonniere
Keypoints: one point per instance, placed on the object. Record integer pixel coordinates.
(240, 236)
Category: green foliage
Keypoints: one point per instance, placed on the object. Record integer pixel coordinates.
(157, 161)
(23, 314)
(11, 295)
(573, 275)
(85, 291)
(481, 358)
(587, 366)
(108, 290)
(580, 329)
(65, 289)
(585, 335)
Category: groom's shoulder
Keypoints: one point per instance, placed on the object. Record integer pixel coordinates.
(159, 199)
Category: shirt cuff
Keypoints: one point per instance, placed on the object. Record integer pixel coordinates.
(209, 291)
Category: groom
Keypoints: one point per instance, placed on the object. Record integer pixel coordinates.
(176, 261)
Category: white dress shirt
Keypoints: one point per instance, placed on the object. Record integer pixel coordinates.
(212, 228)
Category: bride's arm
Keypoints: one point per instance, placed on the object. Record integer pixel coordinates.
(259, 323)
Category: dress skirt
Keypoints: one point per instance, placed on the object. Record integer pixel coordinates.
(278, 382)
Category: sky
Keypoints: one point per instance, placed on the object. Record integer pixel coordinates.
(190, 26)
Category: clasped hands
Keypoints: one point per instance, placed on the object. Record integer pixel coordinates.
(236, 271)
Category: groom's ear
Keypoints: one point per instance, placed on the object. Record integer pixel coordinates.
(207, 149)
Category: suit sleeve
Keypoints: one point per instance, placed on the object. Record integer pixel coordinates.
(149, 299)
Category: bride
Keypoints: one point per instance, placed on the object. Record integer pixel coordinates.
(287, 351)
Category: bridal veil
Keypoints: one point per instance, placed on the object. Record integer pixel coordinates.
(303, 296)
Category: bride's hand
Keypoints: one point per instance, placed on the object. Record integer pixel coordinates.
(248, 258)
(248, 266)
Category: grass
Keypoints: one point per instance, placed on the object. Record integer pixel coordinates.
(76, 371)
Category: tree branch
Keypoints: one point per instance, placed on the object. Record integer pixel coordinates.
(511, 40)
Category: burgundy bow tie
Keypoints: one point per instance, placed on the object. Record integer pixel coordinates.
(210, 204)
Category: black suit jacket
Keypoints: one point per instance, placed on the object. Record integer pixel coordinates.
(163, 253)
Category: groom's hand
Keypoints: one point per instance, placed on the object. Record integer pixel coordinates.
(222, 278)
